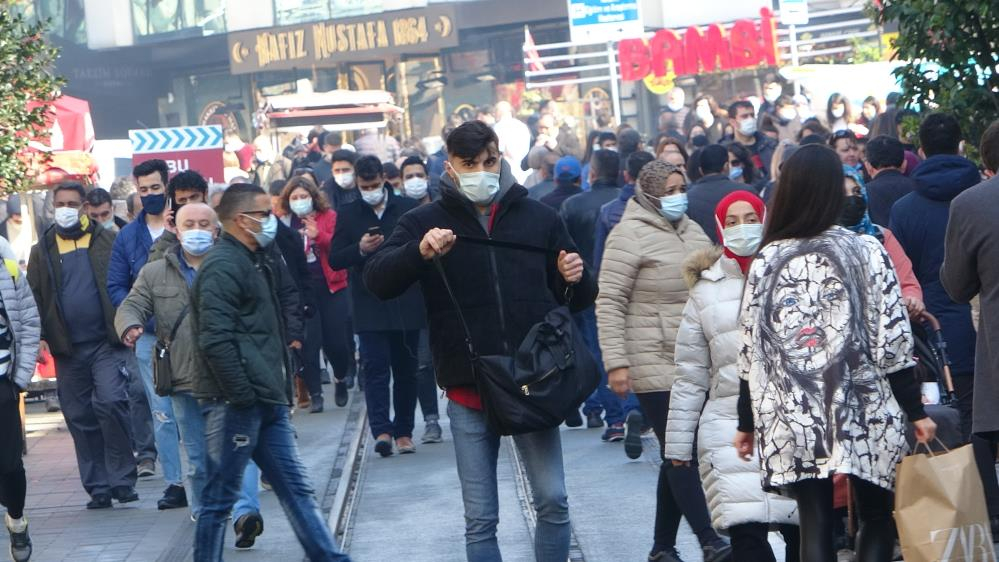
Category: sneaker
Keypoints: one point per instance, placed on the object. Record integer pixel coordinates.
(99, 501)
(432, 433)
(664, 555)
(573, 419)
(317, 404)
(20, 542)
(593, 420)
(633, 434)
(146, 468)
(324, 376)
(340, 393)
(717, 552)
(614, 433)
(125, 494)
(173, 497)
(405, 446)
(248, 528)
(845, 555)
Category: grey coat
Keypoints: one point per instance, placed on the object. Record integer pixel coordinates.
(971, 267)
(25, 326)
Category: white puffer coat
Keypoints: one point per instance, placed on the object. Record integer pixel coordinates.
(707, 348)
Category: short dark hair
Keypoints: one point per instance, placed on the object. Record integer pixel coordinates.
(784, 101)
(276, 188)
(391, 170)
(713, 159)
(606, 136)
(130, 202)
(71, 186)
(344, 155)
(809, 196)
(842, 134)
(811, 139)
(368, 167)
(414, 161)
(606, 164)
(484, 110)
(636, 161)
(471, 139)
(733, 109)
(989, 148)
(188, 180)
(885, 152)
(143, 169)
(939, 133)
(97, 197)
(628, 140)
(333, 138)
(236, 199)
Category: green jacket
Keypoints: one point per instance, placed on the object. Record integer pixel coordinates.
(161, 291)
(45, 278)
(165, 242)
(245, 307)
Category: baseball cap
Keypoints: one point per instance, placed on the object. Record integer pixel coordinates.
(568, 168)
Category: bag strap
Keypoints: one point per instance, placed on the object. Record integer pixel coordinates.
(505, 244)
(176, 325)
(457, 307)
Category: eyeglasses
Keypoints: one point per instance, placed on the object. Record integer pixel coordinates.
(844, 134)
(262, 214)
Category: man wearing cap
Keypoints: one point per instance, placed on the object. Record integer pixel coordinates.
(568, 172)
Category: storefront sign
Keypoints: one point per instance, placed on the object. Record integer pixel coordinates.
(183, 148)
(326, 43)
(746, 44)
(604, 20)
(794, 12)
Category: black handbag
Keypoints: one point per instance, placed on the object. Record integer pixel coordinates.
(162, 371)
(550, 373)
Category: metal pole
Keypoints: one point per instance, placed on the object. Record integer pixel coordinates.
(793, 32)
(615, 87)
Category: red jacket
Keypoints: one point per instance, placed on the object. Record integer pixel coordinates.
(326, 224)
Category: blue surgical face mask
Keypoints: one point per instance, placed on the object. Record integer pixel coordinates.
(735, 172)
(743, 239)
(301, 207)
(268, 230)
(479, 187)
(197, 242)
(108, 225)
(673, 206)
(154, 204)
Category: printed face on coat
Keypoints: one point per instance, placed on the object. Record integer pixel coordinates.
(810, 315)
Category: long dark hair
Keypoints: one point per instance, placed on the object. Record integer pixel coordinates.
(809, 196)
(742, 154)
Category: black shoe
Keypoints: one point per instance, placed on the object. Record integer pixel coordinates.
(340, 393)
(383, 448)
(20, 543)
(324, 376)
(717, 552)
(99, 501)
(317, 404)
(573, 419)
(124, 494)
(248, 528)
(593, 420)
(173, 497)
(350, 380)
(664, 555)
(633, 434)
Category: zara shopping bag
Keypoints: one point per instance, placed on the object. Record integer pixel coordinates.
(940, 508)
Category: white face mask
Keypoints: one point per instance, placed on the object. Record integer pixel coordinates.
(479, 187)
(788, 114)
(373, 198)
(704, 114)
(344, 180)
(838, 112)
(415, 188)
(743, 239)
(67, 217)
(301, 207)
(675, 105)
(748, 126)
(771, 94)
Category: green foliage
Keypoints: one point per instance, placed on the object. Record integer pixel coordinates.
(864, 51)
(26, 74)
(950, 49)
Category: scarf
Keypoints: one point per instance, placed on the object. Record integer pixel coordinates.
(77, 231)
(722, 209)
(865, 226)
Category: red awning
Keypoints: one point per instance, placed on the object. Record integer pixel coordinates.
(71, 128)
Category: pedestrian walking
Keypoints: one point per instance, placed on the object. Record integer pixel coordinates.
(714, 185)
(246, 314)
(66, 271)
(885, 165)
(826, 362)
(702, 423)
(641, 301)
(480, 198)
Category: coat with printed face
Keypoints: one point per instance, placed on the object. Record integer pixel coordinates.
(642, 293)
(703, 402)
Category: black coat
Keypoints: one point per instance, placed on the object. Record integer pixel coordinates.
(580, 214)
(883, 191)
(502, 292)
(703, 198)
(290, 244)
(371, 313)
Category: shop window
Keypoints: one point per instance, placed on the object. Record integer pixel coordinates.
(66, 17)
(299, 11)
(154, 17)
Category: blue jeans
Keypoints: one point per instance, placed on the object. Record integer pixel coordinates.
(249, 498)
(164, 422)
(476, 449)
(192, 430)
(615, 409)
(264, 433)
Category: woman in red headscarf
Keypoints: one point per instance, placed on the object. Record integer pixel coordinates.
(707, 348)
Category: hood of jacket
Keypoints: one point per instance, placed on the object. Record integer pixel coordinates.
(699, 262)
(944, 176)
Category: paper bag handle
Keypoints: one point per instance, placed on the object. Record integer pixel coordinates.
(915, 450)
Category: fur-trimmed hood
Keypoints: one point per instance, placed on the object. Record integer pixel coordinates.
(699, 261)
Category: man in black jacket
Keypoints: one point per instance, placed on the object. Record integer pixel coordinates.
(886, 165)
(246, 317)
(713, 186)
(389, 331)
(580, 211)
(503, 292)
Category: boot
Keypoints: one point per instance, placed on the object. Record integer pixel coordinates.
(304, 401)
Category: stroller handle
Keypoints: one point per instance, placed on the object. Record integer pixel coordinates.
(935, 326)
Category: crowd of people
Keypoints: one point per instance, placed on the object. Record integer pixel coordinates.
(746, 281)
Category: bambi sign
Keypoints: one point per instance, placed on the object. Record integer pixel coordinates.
(695, 51)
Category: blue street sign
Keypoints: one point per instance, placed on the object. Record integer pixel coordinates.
(175, 139)
(604, 20)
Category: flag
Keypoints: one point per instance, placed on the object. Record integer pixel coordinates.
(531, 53)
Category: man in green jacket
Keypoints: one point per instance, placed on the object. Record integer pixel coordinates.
(239, 295)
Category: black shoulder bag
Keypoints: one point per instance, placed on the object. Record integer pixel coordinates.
(162, 371)
(550, 373)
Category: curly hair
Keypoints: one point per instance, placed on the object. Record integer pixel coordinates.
(319, 202)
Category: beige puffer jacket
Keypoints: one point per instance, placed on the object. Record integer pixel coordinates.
(642, 292)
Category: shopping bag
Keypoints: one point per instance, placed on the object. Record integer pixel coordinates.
(940, 508)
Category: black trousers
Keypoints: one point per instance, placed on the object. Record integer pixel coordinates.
(985, 449)
(876, 534)
(13, 484)
(327, 331)
(679, 492)
(749, 543)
